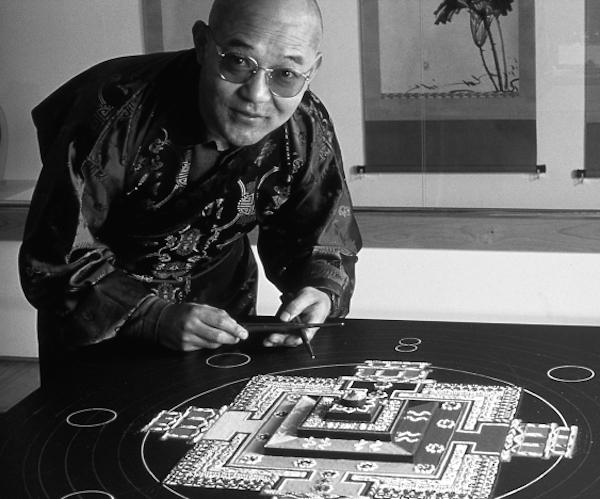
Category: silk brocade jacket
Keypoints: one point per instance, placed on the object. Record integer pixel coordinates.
(118, 229)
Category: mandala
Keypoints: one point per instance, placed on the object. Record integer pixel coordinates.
(387, 431)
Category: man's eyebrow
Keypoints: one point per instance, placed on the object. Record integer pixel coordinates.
(237, 43)
(298, 59)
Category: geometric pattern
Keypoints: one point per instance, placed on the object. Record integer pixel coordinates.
(387, 431)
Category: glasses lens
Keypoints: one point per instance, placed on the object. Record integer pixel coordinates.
(286, 82)
(236, 68)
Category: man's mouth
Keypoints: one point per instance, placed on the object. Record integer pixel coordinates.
(248, 114)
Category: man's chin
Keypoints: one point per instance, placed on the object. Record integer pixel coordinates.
(245, 138)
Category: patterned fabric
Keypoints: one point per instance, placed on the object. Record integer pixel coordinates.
(119, 226)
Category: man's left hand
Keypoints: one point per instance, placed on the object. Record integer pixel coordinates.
(308, 305)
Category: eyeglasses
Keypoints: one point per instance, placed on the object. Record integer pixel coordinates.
(282, 82)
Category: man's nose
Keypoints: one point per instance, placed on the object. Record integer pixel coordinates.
(257, 88)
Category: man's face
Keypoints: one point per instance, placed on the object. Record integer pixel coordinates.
(240, 114)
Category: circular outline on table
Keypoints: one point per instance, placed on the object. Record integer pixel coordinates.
(348, 364)
(592, 374)
(92, 425)
(406, 348)
(79, 492)
(248, 359)
(411, 341)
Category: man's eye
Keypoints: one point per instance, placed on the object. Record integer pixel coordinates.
(285, 74)
(237, 61)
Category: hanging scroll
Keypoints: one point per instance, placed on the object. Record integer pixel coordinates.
(449, 86)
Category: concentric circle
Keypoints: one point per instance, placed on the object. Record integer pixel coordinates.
(571, 374)
(406, 348)
(91, 417)
(410, 341)
(228, 360)
(91, 494)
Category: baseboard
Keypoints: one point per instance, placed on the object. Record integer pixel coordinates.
(14, 358)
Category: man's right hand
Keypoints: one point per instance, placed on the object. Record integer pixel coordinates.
(191, 326)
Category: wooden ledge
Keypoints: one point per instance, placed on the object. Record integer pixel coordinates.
(482, 229)
(567, 231)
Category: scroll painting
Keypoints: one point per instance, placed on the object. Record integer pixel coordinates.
(449, 86)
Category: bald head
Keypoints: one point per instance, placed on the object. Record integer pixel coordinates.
(226, 13)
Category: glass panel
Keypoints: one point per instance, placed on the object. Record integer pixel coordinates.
(449, 92)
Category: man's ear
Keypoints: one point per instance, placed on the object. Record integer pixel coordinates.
(316, 65)
(201, 36)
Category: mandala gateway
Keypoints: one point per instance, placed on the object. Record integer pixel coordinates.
(388, 431)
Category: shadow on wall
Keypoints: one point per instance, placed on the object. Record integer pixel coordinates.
(3, 143)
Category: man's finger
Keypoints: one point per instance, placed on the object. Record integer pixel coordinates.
(274, 340)
(218, 326)
(218, 336)
(191, 342)
(292, 341)
(297, 305)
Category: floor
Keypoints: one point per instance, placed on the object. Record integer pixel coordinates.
(18, 378)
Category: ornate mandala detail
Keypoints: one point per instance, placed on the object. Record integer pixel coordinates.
(310, 451)
(424, 469)
(451, 406)
(250, 459)
(305, 463)
(446, 424)
(435, 448)
(344, 211)
(366, 466)
(323, 487)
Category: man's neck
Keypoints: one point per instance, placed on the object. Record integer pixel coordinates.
(219, 143)
(204, 160)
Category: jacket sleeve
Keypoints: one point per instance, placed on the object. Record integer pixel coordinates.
(64, 266)
(313, 238)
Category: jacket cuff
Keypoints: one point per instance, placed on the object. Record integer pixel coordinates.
(335, 301)
(104, 308)
(143, 323)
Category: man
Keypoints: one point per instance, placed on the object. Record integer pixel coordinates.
(156, 167)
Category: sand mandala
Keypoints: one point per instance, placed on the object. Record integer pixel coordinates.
(387, 431)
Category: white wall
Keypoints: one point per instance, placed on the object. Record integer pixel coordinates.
(471, 286)
(44, 42)
(17, 317)
(475, 286)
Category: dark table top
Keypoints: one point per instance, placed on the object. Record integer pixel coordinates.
(83, 432)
